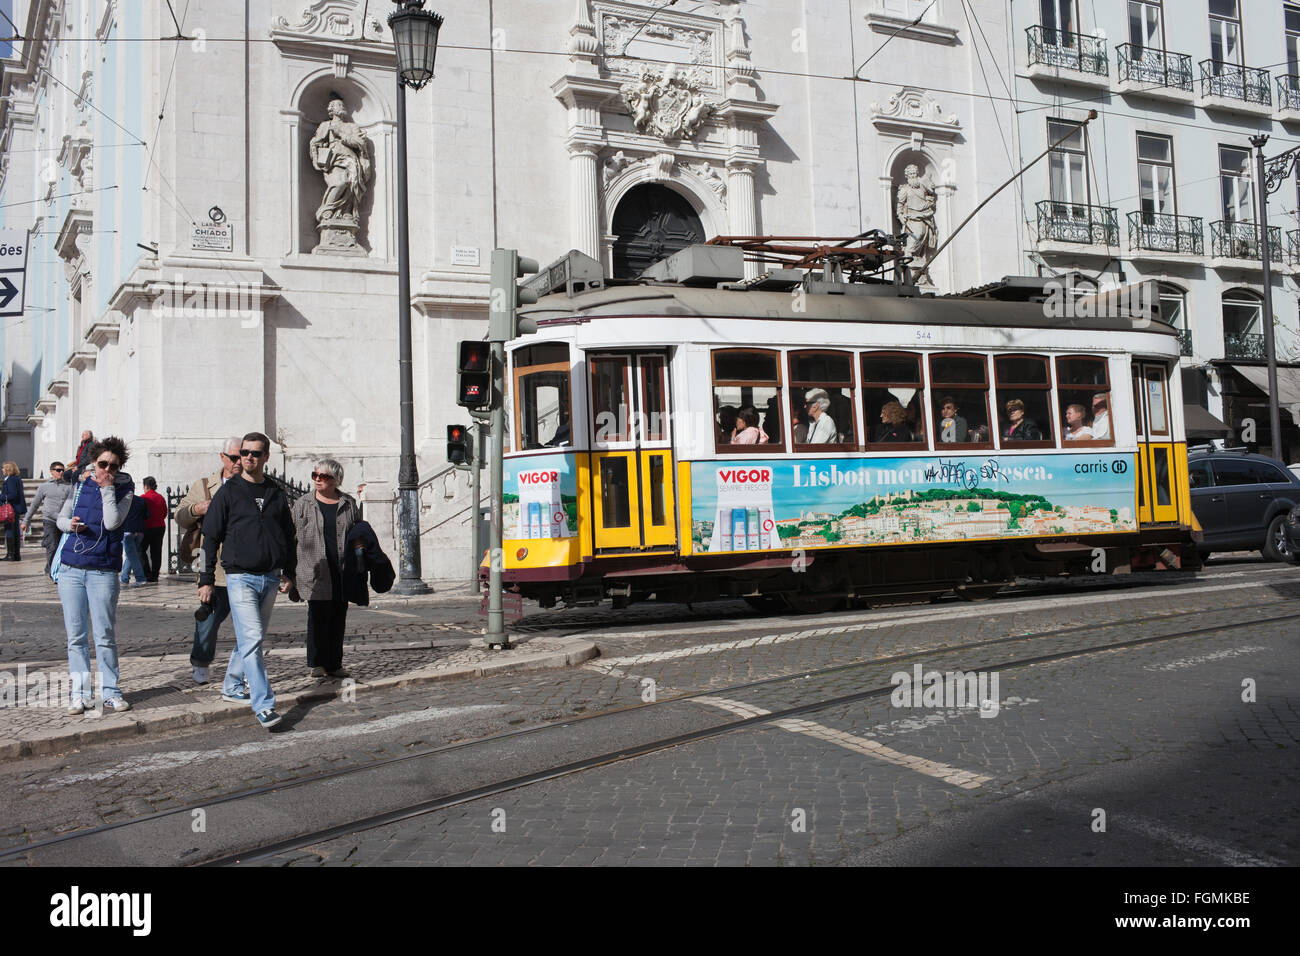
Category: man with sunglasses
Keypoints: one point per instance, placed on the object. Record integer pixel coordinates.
(50, 497)
(249, 520)
(189, 515)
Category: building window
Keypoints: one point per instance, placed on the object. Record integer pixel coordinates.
(1173, 310)
(821, 401)
(1243, 324)
(892, 392)
(1156, 176)
(747, 400)
(1145, 26)
(1225, 34)
(959, 398)
(1059, 21)
(1083, 394)
(1068, 168)
(1234, 184)
(910, 10)
(1024, 399)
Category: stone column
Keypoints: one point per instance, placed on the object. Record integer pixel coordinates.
(742, 214)
(584, 199)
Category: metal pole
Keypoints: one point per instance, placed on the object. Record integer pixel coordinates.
(1270, 351)
(475, 493)
(496, 632)
(408, 475)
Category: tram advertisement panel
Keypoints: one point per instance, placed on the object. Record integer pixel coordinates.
(540, 497)
(757, 505)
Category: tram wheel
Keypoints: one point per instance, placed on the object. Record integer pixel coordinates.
(765, 603)
(802, 602)
(976, 592)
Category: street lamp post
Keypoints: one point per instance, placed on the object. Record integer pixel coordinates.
(415, 40)
(1270, 174)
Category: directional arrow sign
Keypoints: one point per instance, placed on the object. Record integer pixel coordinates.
(13, 270)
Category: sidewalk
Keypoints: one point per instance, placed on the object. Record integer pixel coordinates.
(163, 695)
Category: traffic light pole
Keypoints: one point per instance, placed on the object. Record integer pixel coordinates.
(476, 495)
(496, 630)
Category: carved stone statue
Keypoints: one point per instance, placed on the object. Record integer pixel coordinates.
(915, 210)
(340, 150)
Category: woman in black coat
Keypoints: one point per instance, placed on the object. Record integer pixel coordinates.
(11, 493)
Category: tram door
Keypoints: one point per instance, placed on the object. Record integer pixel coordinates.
(1157, 501)
(632, 458)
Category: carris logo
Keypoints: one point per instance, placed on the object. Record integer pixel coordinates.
(743, 476)
(538, 477)
(75, 909)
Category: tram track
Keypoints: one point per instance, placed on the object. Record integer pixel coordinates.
(933, 655)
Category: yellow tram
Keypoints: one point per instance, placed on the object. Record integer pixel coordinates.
(799, 440)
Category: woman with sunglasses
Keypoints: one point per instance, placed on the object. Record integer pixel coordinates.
(322, 521)
(90, 561)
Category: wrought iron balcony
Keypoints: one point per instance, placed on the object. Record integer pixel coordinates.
(1240, 240)
(1164, 232)
(1184, 341)
(1077, 222)
(1073, 51)
(1245, 345)
(1288, 92)
(1293, 247)
(1145, 64)
(1233, 82)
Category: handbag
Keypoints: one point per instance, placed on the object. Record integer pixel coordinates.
(57, 563)
(6, 513)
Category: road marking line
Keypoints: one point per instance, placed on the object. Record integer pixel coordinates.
(1205, 658)
(608, 663)
(965, 779)
(154, 763)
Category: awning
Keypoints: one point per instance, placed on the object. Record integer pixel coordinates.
(1288, 381)
(1198, 421)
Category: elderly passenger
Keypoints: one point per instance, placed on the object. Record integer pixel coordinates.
(322, 521)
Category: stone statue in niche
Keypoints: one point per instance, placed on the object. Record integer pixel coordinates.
(340, 150)
(914, 208)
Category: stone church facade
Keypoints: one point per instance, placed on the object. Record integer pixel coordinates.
(212, 217)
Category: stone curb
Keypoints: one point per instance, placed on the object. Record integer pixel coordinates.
(573, 652)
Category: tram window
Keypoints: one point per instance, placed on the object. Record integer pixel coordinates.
(541, 394)
(959, 395)
(822, 415)
(1083, 395)
(747, 400)
(610, 404)
(891, 400)
(1025, 399)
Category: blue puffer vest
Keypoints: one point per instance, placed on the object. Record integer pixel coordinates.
(96, 549)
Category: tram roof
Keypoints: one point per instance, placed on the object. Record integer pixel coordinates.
(886, 308)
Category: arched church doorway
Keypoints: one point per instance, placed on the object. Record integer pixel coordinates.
(652, 222)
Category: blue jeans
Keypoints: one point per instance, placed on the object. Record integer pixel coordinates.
(251, 596)
(131, 559)
(205, 632)
(89, 599)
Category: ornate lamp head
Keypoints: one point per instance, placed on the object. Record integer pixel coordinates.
(415, 38)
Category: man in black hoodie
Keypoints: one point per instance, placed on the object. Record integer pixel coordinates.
(251, 522)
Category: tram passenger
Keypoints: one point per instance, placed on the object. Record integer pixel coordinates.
(952, 427)
(748, 432)
(1101, 416)
(726, 424)
(822, 430)
(1021, 428)
(772, 420)
(1075, 425)
(893, 424)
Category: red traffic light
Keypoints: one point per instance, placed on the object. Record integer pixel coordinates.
(475, 356)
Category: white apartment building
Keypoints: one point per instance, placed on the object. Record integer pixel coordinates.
(166, 168)
(1162, 184)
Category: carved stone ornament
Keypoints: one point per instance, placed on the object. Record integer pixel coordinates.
(911, 108)
(697, 45)
(331, 20)
(667, 103)
(710, 176)
(616, 164)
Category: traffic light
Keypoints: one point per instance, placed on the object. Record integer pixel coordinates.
(474, 375)
(459, 450)
(506, 296)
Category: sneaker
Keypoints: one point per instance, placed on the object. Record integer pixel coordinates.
(340, 673)
(200, 675)
(316, 672)
(79, 707)
(241, 696)
(268, 718)
(116, 705)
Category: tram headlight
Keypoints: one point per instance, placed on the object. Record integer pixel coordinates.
(521, 554)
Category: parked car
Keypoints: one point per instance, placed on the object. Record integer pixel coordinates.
(1243, 502)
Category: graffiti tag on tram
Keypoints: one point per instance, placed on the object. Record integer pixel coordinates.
(963, 475)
